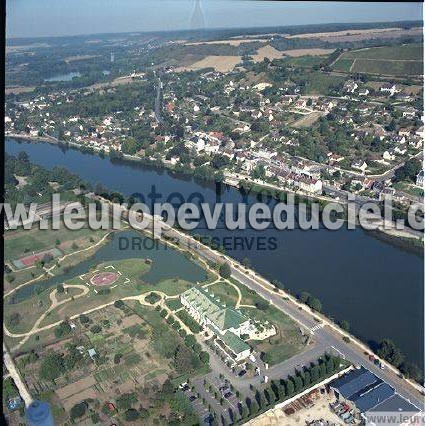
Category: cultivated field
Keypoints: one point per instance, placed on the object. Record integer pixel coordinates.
(268, 52)
(232, 42)
(391, 60)
(219, 63)
(307, 52)
(308, 120)
(79, 58)
(357, 35)
(18, 89)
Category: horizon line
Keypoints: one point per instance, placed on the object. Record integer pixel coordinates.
(139, 32)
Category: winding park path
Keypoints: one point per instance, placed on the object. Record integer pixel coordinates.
(55, 303)
(141, 298)
(49, 270)
(329, 335)
(238, 303)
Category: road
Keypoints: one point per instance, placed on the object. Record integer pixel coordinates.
(158, 102)
(330, 336)
(11, 368)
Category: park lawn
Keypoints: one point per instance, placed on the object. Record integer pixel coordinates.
(132, 268)
(29, 310)
(68, 293)
(288, 340)
(147, 313)
(225, 292)
(18, 243)
(249, 297)
(173, 304)
(172, 287)
(15, 278)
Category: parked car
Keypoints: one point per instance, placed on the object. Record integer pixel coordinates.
(208, 419)
(242, 373)
(192, 398)
(228, 394)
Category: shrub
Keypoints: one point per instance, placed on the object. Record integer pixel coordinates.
(224, 270)
(84, 319)
(96, 328)
(189, 321)
(131, 415)
(119, 304)
(78, 410)
(204, 357)
(62, 329)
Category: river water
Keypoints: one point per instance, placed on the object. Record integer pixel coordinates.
(375, 286)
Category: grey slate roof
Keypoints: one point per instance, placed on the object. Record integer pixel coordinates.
(354, 382)
(396, 403)
(373, 397)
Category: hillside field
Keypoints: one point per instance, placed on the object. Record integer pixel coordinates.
(390, 60)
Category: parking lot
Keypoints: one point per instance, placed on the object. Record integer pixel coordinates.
(197, 405)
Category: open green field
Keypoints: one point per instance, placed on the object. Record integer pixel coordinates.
(317, 83)
(394, 67)
(129, 283)
(304, 61)
(225, 293)
(20, 317)
(286, 343)
(22, 242)
(390, 60)
(409, 188)
(404, 52)
(343, 64)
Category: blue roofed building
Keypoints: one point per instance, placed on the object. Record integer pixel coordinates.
(394, 404)
(354, 382)
(372, 397)
(363, 390)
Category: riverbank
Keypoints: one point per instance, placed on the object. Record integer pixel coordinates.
(255, 187)
(350, 271)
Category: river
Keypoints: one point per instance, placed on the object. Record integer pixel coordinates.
(375, 286)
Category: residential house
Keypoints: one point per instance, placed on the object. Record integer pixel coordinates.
(359, 165)
(388, 88)
(389, 155)
(334, 158)
(420, 178)
(409, 113)
(350, 86)
(403, 131)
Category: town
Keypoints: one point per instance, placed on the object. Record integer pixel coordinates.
(353, 135)
(176, 329)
